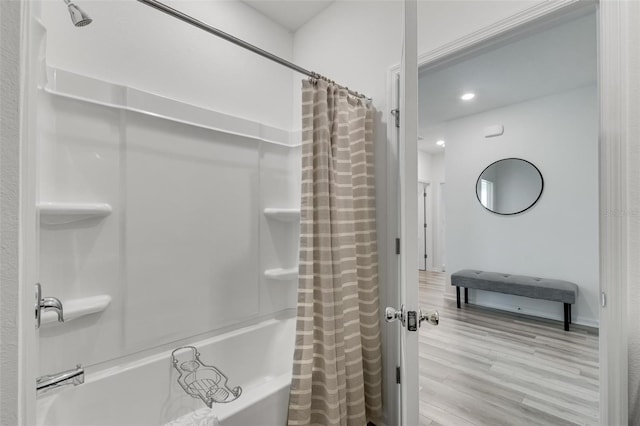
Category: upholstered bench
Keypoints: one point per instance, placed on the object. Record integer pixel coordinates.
(519, 285)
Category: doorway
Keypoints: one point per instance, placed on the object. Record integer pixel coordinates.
(425, 233)
(431, 212)
(513, 99)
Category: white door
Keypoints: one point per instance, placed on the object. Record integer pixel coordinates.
(407, 316)
(408, 212)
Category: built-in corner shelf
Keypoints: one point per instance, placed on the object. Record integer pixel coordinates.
(78, 308)
(283, 215)
(282, 274)
(54, 213)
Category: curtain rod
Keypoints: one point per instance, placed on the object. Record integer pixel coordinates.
(235, 40)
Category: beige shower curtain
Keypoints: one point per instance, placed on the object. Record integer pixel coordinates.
(337, 367)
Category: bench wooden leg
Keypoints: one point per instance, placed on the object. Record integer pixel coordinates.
(458, 296)
(466, 295)
(567, 309)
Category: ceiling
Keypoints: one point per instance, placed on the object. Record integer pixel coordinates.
(553, 60)
(289, 13)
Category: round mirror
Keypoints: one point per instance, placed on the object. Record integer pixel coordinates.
(509, 186)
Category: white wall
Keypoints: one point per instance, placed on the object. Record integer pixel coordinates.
(424, 164)
(134, 45)
(633, 215)
(437, 167)
(9, 210)
(431, 167)
(558, 236)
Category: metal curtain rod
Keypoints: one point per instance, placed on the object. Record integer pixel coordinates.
(235, 40)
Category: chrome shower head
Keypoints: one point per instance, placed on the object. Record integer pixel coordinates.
(78, 17)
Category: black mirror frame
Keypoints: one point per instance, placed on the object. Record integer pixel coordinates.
(518, 212)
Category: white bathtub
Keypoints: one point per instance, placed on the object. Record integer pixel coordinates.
(146, 392)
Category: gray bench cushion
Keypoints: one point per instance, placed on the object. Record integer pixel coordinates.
(520, 285)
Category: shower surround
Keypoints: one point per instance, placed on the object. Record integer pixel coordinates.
(156, 209)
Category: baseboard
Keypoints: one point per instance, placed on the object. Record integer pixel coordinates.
(587, 322)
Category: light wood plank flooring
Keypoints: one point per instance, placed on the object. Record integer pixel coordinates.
(486, 367)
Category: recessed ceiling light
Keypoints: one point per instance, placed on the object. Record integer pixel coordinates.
(440, 143)
(468, 96)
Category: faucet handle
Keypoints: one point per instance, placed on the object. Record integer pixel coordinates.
(54, 304)
(47, 303)
(38, 298)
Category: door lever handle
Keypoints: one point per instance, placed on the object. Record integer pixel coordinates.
(45, 304)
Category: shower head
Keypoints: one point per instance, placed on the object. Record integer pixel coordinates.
(78, 17)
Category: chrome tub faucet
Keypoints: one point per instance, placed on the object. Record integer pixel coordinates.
(69, 377)
(47, 304)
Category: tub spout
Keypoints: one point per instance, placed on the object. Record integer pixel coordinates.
(69, 377)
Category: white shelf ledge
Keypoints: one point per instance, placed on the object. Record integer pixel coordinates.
(53, 213)
(87, 89)
(284, 215)
(77, 308)
(282, 274)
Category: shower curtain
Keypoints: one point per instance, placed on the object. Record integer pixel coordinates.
(337, 367)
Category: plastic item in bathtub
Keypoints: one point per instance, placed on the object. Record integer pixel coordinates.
(200, 417)
(202, 381)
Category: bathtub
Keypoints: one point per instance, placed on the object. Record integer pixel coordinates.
(146, 391)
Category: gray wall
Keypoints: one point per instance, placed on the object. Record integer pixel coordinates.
(9, 191)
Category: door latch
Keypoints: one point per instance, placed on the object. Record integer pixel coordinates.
(396, 115)
(412, 321)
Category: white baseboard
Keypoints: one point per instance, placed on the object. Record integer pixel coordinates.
(588, 322)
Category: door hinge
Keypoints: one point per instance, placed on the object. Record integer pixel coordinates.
(425, 225)
(397, 245)
(398, 374)
(425, 256)
(396, 114)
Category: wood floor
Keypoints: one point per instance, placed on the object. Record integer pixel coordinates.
(486, 367)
